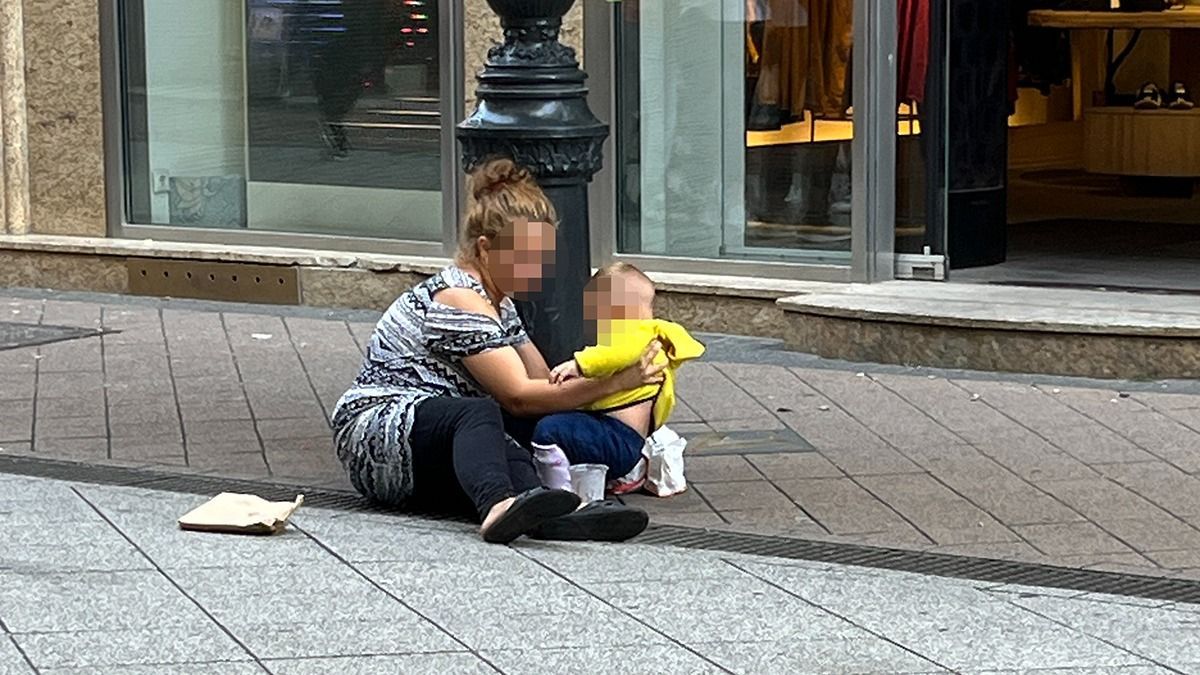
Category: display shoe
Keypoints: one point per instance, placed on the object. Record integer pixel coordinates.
(1149, 97)
(1179, 98)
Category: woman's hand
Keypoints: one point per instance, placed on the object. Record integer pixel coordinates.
(644, 372)
(568, 370)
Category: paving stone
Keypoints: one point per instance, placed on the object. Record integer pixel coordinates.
(883, 412)
(1160, 483)
(925, 502)
(714, 397)
(667, 659)
(28, 548)
(285, 640)
(240, 463)
(1036, 461)
(864, 654)
(11, 660)
(93, 601)
(1004, 551)
(1154, 534)
(688, 502)
(234, 408)
(791, 466)
(15, 448)
(78, 449)
(986, 531)
(697, 611)
(1103, 500)
(1170, 638)
(417, 664)
(787, 522)
(151, 413)
(1065, 539)
(294, 429)
(842, 506)
(72, 406)
(709, 520)
(71, 427)
(1002, 494)
(212, 668)
(155, 451)
(58, 385)
(744, 496)
(870, 462)
(17, 387)
(721, 469)
(593, 564)
(217, 432)
(203, 641)
(1175, 559)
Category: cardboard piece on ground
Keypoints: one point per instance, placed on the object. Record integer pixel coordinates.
(240, 514)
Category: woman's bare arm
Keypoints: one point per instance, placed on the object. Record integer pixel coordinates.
(503, 372)
(535, 364)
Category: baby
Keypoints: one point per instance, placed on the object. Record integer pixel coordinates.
(619, 303)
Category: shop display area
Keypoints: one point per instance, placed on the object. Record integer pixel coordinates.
(1104, 154)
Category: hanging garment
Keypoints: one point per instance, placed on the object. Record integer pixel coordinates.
(805, 53)
(912, 53)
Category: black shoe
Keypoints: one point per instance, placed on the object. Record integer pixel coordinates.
(598, 521)
(528, 511)
(1179, 98)
(1148, 97)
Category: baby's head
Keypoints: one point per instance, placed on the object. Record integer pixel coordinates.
(618, 291)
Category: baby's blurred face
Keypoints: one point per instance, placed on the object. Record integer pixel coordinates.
(619, 297)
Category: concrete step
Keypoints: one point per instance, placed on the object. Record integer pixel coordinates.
(1004, 328)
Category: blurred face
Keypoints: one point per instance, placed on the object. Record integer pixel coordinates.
(519, 257)
(617, 297)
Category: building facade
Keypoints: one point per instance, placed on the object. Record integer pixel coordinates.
(303, 151)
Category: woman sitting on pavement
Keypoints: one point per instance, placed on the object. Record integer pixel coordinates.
(450, 366)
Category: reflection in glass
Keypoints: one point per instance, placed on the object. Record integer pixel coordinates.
(290, 115)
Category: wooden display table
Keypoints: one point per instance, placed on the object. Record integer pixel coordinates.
(1182, 22)
(1147, 143)
(1171, 19)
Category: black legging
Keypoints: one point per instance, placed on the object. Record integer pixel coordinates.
(462, 460)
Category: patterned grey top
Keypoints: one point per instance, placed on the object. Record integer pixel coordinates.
(416, 353)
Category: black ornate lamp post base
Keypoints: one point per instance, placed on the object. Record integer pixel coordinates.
(532, 107)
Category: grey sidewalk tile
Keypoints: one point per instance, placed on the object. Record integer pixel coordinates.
(721, 469)
(708, 520)
(1102, 500)
(96, 601)
(1091, 443)
(598, 564)
(925, 502)
(286, 640)
(84, 449)
(1175, 559)
(196, 642)
(1007, 498)
(1128, 562)
(573, 627)
(869, 462)
(16, 448)
(1006, 551)
(780, 522)
(299, 428)
(1064, 539)
(418, 664)
(1170, 637)
(69, 406)
(1157, 534)
(234, 408)
(744, 496)
(422, 579)
(601, 660)
(31, 543)
(842, 506)
(11, 661)
(1104, 670)
(863, 654)
(792, 466)
(210, 668)
(688, 502)
(219, 432)
(712, 610)
(71, 427)
(715, 397)
(986, 531)
(175, 549)
(1160, 483)
(1037, 461)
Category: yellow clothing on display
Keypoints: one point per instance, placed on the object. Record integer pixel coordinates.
(621, 344)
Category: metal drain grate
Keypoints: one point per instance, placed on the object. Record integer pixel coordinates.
(935, 564)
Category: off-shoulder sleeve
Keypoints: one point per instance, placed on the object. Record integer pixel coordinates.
(458, 333)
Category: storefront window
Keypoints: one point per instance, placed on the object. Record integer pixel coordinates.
(737, 127)
(303, 116)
